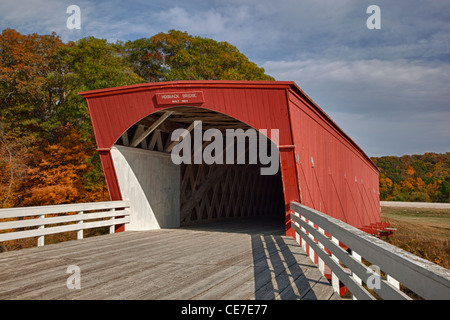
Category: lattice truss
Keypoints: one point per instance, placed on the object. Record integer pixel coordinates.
(209, 192)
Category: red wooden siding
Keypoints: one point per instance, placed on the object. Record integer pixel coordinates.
(335, 178)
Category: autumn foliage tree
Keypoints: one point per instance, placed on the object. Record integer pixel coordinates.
(177, 55)
(424, 178)
(60, 173)
(27, 103)
(28, 95)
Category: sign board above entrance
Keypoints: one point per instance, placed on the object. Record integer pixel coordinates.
(180, 98)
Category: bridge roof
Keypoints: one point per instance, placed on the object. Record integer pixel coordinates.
(226, 84)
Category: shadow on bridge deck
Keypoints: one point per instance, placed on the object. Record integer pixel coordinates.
(281, 269)
(236, 260)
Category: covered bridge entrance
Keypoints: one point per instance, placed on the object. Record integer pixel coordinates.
(188, 152)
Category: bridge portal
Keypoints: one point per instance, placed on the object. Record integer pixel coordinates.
(285, 149)
(203, 178)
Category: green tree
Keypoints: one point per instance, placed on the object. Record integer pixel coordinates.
(444, 192)
(89, 64)
(40, 78)
(27, 95)
(415, 177)
(177, 55)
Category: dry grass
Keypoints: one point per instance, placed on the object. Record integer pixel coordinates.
(424, 232)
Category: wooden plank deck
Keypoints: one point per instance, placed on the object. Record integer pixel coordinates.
(239, 260)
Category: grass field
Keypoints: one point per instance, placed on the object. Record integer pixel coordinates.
(422, 231)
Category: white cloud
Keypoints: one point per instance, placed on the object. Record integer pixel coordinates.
(237, 25)
(24, 14)
(209, 21)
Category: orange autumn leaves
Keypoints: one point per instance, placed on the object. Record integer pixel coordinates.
(424, 178)
(57, 174)
(60, 173)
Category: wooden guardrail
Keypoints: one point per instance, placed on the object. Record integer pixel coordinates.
(106, 214)
(327, 237)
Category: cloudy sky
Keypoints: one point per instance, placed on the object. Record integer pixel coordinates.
(388, 88)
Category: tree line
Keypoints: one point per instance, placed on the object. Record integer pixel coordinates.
(421, 178)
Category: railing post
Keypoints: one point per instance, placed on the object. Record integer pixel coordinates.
(357, 279)
(304, 244)
(321, 246)
(311, 250)
(80, 231)
(41, 239)
(112, 227)
(297, 236)
(394, 282)
(334, 278)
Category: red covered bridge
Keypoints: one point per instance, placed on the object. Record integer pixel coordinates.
(322, 194)
(320, 166)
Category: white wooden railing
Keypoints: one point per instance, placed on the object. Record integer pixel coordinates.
(326, 237)
(106, 214)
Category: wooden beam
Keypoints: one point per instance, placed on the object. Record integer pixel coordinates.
(182, 136)
(138, 132)
(197, 195)
(152, 143)
(125, 139)
(149, 130)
